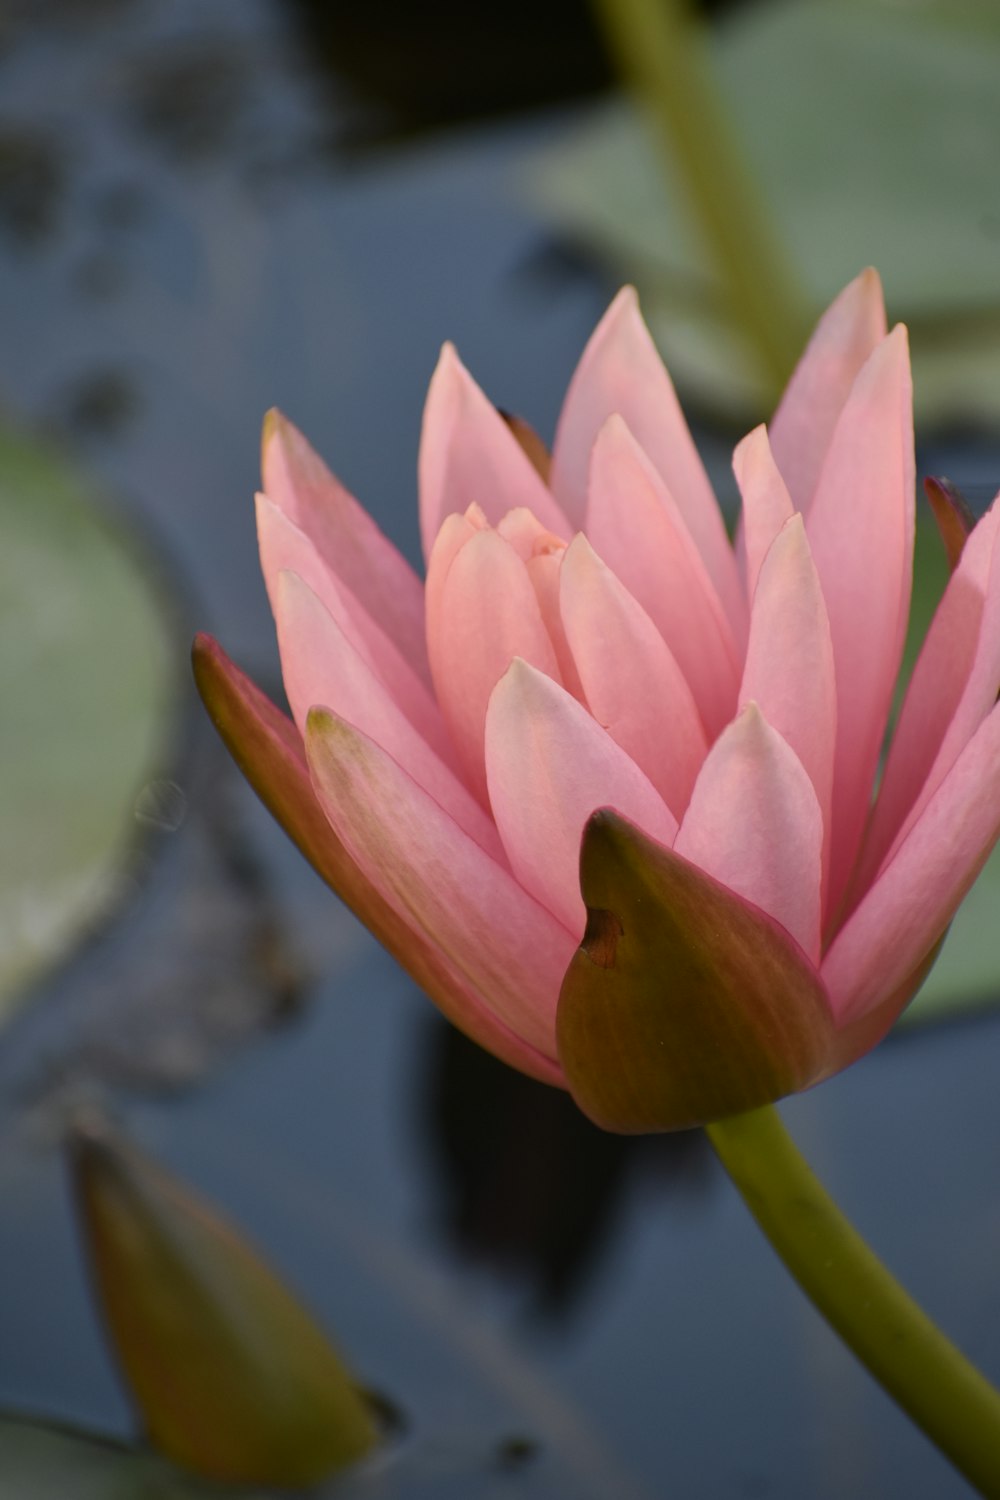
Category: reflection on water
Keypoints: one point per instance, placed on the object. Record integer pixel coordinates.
(32, 180)
(181, 249)
(528, 1186)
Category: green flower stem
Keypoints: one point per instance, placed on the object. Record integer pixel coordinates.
(660, 51)
(943, 1393)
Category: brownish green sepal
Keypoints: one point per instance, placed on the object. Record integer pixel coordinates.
(953, 515)
(268, 749)
(234, 1381)
(684, 1003)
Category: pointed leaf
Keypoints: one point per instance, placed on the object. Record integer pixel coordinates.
(684, 1003)
(233, 1379)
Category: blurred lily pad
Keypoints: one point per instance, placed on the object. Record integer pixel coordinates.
(51, 1463)
(87, 682)
(869, 127)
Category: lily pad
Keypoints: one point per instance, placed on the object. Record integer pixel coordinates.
(87, 681)
(42, 1462)
(868, 128)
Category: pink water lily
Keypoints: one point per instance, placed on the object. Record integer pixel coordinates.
(591, 658)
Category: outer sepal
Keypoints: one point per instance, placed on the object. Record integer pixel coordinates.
(684, 1003)
(268, 749)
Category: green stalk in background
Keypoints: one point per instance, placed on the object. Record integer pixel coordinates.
(925, 1374)
(661, 53)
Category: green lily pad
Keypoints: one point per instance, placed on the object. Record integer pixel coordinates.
(87, 682)
(868, 126)
(42, 1462)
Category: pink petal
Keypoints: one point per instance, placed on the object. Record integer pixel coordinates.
(947, 697)
(789, 665)
(450, 540)
(910, 905)
(629, 679)
(804, 423)
(755, 825)
(549, 765)
(509, 951)
(469, 454)
(545, 572)
(321, 666)
(542, 555)
(860, 530)
(621, 372)
(269, 751)
(284, 548)
(637, 530)
(526, 533)
(345, 536)
(484, 613)
(766, 503)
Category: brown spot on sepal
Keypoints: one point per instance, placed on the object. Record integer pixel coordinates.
(600, 937)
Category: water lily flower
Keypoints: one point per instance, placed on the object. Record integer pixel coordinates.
(605, 783)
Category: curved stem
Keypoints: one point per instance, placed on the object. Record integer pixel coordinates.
(934, 1384)
(661, 53)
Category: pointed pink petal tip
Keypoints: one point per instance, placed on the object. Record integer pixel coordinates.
(468, 452)
(847, 333)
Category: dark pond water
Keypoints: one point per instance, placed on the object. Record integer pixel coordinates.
(183, 243)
